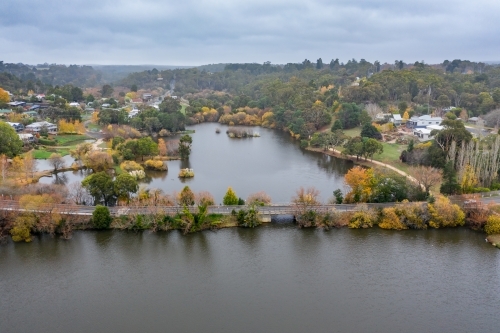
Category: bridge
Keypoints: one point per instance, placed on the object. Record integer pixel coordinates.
(266, 211)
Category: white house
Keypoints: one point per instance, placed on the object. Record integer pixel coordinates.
(423, 121)
(133, 113)
(424, 134)
(396, 119)
(26, 137)
(74, 104)
(37, 127)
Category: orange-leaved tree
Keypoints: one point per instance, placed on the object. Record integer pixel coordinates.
(361, 181)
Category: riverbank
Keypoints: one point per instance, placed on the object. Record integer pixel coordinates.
(368, 163)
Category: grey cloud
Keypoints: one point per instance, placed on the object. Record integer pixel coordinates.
(198, 32)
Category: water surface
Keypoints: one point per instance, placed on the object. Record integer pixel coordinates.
(274, 278)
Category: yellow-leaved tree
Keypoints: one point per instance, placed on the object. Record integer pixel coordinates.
(360, 180)
(4, 96)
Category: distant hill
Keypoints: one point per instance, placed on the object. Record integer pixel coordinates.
(113, 73)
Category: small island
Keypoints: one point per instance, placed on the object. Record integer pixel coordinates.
(186, 173)
(241, 133)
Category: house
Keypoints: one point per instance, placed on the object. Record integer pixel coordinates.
(133, 113)
(31, 114)
(105, 105)
(74, 104)
(474, 120)
(37, 127)
(424, 134)
(423, 121)
(17, 126)
(4, 112)
(16, 104)
(396, 119)
(26, 137)
(40, 97)
(147, 97)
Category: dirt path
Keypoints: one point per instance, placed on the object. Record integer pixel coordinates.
(336, 153)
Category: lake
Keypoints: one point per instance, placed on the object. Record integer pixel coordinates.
(273, 163)
(275, 278)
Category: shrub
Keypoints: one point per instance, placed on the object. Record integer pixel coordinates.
(390, 220)
(47, 142)
(248, 218)
(304, 143)
(101, 217)
(138, 174)
(363, 218)
(445, 214)
(131, 166)
(492, 225)
(156, 165)
(186, 173)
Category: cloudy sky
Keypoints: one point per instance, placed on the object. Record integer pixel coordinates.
(196, 32)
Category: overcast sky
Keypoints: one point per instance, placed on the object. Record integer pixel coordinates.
(197, 32)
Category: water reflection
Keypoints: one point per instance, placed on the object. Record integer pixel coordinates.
(272, 163)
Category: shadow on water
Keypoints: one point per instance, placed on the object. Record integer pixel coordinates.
(250, 236)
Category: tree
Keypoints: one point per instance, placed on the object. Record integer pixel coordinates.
(124, 185)
(4, 97)
(56, 161)
(230, 198)
(492, 226)
(170, 105)
(304, 205)
(259, 198)
(354, 147)
(370, 131)
(186, 197)
(10, 144)
(162, 147)
(349, 115)
(146, 147)
(133, 88)
(100, 186)
(101, 217)
(450, 184)
(339, 197)
(98, 161)
(360, 180)
(107, 90)
(371, 147)
(427, 177)
(337, 125)
(319, 64)
(185, 146)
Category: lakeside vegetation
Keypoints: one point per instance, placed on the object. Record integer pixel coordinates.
(335, 106)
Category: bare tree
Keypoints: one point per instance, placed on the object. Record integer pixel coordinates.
(79, 194)
(259, 198)
(56, 161)
(305, 204)
(427, 177)
(373, 110)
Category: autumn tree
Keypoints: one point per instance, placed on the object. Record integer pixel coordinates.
(162, 147)
(186, 197)
(56, 161)
(360, 180)
(4, 97)
(304, 203)
(445, 214)
(427, 177)
(259, 198)
(230, 198)
(98, 161)
(4, 167)
(204, 198)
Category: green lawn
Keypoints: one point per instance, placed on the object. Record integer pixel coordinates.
(43, 154)
(391, 154)
(352, 132)
(183, 109)
(93, 127)
(63, 140)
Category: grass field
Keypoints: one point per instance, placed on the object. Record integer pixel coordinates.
(391, 154)
(63, 140)
(43, 154)
(183, 109)
(356, 131)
